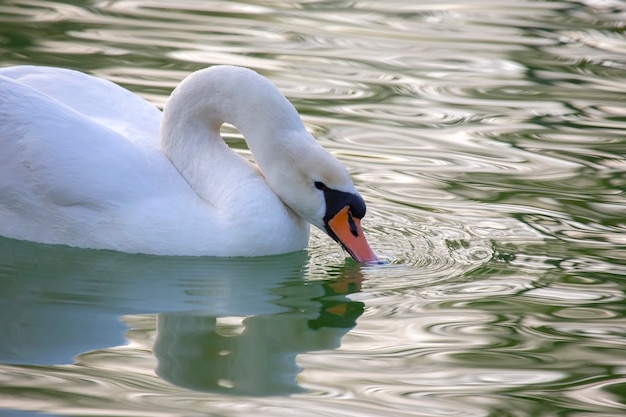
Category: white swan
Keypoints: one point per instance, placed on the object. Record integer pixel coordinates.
(81, 164)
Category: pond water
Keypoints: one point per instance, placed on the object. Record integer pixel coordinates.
(487, 138)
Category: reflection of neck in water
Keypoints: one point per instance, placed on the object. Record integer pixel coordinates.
(256, 355)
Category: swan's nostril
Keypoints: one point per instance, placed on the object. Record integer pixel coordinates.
(353, 229)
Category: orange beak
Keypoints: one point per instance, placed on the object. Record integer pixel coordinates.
(348, 232)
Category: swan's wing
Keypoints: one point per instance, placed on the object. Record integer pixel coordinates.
(52, 155)
(99, 100)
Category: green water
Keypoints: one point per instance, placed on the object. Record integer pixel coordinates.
(487, 140)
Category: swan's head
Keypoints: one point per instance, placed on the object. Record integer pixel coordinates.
(318, 187)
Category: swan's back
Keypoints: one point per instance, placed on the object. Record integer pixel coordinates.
(79, 156)
(73, 150)
(99, 100)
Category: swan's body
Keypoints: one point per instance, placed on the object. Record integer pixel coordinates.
(82, 163)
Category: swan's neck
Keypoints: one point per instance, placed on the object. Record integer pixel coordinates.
(208, 98)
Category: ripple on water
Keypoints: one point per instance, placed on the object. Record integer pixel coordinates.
(609, 394)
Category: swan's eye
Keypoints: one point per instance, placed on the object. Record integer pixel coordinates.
(320, 186)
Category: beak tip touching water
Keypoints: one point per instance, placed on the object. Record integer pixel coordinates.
(363, 254)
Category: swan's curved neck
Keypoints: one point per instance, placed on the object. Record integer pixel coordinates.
(207, 99)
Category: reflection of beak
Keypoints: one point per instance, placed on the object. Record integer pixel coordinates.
(347, 231)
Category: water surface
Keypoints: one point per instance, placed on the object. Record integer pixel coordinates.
(487, 139)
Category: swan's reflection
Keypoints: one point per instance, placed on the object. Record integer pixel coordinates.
(256, 356)
(226, 325)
